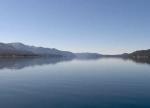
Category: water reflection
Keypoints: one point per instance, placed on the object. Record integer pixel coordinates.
(141, 60)
(136, 60)
(88, 58)
(19, 63)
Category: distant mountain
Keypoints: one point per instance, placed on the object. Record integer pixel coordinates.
(140, 54)
(20, 49)
(8, 50)
(41, 50)
(117, 55)
(4, 46)
(96, 55)
(88, 55)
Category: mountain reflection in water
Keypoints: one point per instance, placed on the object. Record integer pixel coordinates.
(20, 63)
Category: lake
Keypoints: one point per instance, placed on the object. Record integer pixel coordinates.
(74, 83)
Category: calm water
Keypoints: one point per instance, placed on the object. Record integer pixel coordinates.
(67, 83)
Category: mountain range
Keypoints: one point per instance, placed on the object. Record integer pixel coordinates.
(141, 54)
(41, 50)
(20, 49)
(96, 55)
(8, 50)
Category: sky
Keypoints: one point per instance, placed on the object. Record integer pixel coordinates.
(99, 26)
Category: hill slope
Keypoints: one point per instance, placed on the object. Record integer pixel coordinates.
(4, 46)
(141, 54)
(88, 55)
(41, 50)
(8, 50)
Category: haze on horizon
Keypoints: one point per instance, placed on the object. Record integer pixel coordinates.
(101, 26)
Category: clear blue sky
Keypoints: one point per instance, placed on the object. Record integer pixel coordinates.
(102, 26)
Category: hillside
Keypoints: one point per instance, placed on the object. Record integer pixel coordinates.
(4, 46)
(87, 55)
(41, 50)
(9, 51)
(140, 54)
(96, 55)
